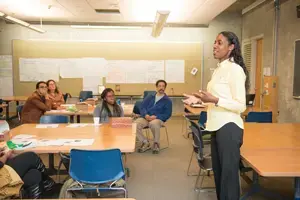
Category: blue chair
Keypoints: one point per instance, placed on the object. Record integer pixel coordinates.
(19, 111)
(259, 117)
(54, 119)
(137, 107)
(84, 95)
(98, 170)
(148, 92)
(202, 119)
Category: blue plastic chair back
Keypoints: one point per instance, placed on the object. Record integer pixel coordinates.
(54, 119)
(259, 117)
(96, 167)
(137, 107)
(84, 95)
(202, 119)
(148, 92)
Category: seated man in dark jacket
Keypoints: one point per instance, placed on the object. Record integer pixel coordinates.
(36, 105)
(155, 110)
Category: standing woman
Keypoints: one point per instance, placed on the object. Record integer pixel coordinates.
(55, 95)
(226, 95)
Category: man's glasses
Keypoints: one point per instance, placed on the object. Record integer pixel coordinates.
(43, 87)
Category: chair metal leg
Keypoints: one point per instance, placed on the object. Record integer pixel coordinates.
(58, 170)
(200, 188)
(167, 134)
(190, 163)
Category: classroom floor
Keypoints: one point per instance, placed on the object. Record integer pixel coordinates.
(163, 176)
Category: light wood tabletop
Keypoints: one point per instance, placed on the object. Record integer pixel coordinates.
(271, 135)
(272, 150)
(277, 162)
(14, 98)
(105, 137)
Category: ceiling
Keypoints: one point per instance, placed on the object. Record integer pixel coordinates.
(126, 11)
(239, 5)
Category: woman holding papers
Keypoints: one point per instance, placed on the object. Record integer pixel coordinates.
(55, 94)
(226, 93)
(108, 107)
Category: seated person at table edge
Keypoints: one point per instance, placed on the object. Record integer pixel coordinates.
(155, 110)
(55, 94)
(108, 107)
(36, 105)
(32, 172)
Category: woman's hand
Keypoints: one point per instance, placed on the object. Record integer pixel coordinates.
(206, 97)
(190, 99)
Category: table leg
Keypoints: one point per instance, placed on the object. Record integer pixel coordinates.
(7, 111)
(51, 168)
(297, 188)
(78, 118)
(72, 119)
(256, 188)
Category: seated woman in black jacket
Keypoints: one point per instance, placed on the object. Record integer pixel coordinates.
(32, 171)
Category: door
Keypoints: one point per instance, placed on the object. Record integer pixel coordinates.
(258, 73)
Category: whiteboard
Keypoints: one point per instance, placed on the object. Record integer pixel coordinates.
(38, 69)
(135, 71)
(175, 71)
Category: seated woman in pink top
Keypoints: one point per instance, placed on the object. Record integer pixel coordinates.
(55, 95)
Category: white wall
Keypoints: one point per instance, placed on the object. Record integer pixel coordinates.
(226, 21)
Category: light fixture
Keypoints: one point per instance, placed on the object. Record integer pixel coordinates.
(1, 14)
(18, 21)
(104, 27)
(36, 29)
(159, 22)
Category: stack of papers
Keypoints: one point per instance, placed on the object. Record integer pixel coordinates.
(66, 142)
(76, 125)
(47, 125)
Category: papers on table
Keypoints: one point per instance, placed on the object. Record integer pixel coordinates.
(66, 142)
(23, 136)
(76, 125)
(46, 125)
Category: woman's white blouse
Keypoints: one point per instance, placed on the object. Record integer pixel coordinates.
(228, 84)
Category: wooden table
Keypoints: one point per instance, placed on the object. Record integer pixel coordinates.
(105, 137)
(7, 100)
(128, 108)
(272, 150)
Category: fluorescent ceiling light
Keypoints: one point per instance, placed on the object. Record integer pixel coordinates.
(36, 29)
(159, 22)
(105, 27)
(18, 21)
(1, 14)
